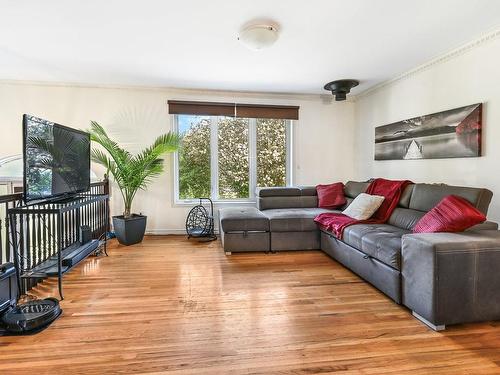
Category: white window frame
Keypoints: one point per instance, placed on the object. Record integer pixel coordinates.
(214, 163)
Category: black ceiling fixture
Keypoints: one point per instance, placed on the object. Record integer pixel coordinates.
(341, 88)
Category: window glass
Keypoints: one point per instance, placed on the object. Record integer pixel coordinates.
(271, 152)
(194, 157)
(233, 157)
(226, 158)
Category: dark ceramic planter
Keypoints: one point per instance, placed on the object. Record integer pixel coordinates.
(131, 230)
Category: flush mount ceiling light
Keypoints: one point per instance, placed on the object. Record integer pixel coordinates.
(257, 37)
(341, 88)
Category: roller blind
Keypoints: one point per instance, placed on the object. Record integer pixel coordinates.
(178, 107)
(267, 111)
(233, 110)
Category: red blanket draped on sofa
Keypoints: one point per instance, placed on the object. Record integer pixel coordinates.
(390, 189)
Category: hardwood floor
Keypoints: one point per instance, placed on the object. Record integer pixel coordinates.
(175, 306)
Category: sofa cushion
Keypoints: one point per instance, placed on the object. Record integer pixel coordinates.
(331, 196)
(426, 196)
(405, 218)
(243, 219)
(294, 219)
(364, 206)
(404, 201)
(380, 241)
(348, 201)
(268, 203)
(308, 191)
(452, 214)
(353, 188)
(278, 192)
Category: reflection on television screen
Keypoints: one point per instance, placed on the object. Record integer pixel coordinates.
(57, 159)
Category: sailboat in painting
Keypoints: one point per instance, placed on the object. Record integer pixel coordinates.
(414, 151)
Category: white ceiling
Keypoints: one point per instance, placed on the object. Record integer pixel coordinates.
(192, 43)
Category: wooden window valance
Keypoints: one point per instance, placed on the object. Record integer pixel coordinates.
(179, 107)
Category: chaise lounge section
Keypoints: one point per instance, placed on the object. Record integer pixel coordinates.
(245, 229)
(433, 274)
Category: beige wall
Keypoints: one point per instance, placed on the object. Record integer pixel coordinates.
(332, 141)
(466, 78)
(322, 137)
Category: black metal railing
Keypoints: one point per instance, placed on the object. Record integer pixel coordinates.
(6, 202)
(36, 242)
(95, 215)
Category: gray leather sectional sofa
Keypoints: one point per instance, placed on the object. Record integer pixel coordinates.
(444, 278)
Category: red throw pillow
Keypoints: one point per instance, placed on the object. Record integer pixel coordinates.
(331, 196)
(452, 214)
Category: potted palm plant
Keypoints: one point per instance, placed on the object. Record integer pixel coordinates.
(131, 173)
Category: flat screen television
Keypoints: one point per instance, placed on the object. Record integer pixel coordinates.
(56, 160)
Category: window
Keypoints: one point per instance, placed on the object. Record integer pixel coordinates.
(226, 158)
(194, 161)
(233, 158)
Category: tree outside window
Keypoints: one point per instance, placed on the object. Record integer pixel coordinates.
(225, 158)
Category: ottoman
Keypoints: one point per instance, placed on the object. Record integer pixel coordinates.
(243, 229)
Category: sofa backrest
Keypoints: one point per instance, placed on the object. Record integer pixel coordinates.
(416, 200)
(353, 188)
(426, 196)
(301, 196)
(286, 197)
(306, 196)
(423, 197)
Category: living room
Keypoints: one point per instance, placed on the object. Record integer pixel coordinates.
(278, 290)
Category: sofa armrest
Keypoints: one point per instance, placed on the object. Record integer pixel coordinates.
(450, 278)
(487, 225)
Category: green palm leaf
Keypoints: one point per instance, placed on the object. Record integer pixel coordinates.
(131, 173)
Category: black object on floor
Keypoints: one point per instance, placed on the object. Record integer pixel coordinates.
(26, 318)
(200, 223)
(32, 316)
(84, 234)
(70, 257)
(8, 286)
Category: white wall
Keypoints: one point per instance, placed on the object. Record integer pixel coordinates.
(462, 79)
(134, 116)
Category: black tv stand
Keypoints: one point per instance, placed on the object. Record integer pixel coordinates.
(44, 235)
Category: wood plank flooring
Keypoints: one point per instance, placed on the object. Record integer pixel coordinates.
(175, 306)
